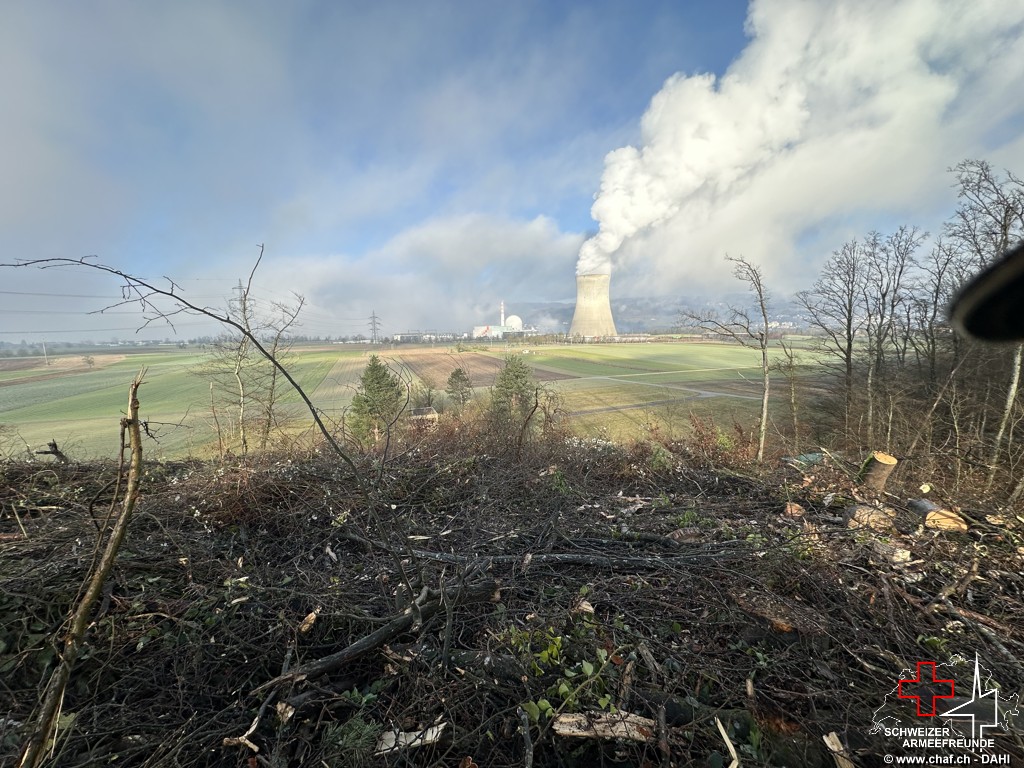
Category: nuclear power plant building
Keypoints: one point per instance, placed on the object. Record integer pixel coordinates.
(593, 315)
(506, 327)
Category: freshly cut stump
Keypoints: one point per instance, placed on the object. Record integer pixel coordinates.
(876, 470)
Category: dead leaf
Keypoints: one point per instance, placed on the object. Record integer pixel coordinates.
(792, 509)
(392, 741)
(309, 621)
(284, 711)
(584, 607)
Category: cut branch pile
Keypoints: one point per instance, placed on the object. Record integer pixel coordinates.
(585, 605)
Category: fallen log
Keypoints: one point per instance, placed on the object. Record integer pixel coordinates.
(866, 516)
(485, 589)
(604, 725)
(937, 517)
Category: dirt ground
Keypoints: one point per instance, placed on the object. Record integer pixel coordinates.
(17, 364)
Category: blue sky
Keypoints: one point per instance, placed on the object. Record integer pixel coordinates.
(425, 160)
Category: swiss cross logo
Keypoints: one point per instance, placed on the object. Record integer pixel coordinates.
(926, 689)
(966, 716)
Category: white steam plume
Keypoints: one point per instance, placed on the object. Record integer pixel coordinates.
(692, 141)
(832, 108)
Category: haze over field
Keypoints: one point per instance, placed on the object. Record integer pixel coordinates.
(424, 161)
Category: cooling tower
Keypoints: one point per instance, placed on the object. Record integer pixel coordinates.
(593, 315)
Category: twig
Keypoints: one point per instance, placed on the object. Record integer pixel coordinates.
(46, 720)
(449, 609)
(948, 607)
(96, 497)
(598, 561)
(663, 745)
(17, 518)
(986, 632)
(53, 450)
(143, 292)
(728, 743)
(835, 746)
(243, 740)
(524, 726)
(954, 587)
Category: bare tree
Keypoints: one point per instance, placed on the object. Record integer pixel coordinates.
(925, 320)
(238, 352)
(862, 306)
(241, 374)
(895, 273)
(832, 307)
(748, 330)
(279, 345)
(990, 216)
(789, 367)
(886, 262)
(880, 305)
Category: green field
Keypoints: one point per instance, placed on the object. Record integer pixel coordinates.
(625, 390)
(619, 390)
(81, 408)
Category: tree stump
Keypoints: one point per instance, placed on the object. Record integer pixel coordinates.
(876, 470)
(875, 518)
(936, 517)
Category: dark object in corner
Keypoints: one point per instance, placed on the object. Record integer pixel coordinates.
(991, 305)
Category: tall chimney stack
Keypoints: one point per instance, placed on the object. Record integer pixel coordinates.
(593, 315)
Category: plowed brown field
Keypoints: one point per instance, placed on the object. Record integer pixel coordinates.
(436, 367)
(57, 367)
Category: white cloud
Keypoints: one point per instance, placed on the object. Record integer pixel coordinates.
(447, 274)
(445, 155)
(836, 113)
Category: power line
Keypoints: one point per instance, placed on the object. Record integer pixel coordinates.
(53, 312)
(88, 330)
(309, 310)
(108, 297)
(60, 295)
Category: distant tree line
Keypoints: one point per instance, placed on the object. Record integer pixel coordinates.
(503, 418)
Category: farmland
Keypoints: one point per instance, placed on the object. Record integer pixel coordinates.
(615, 390)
